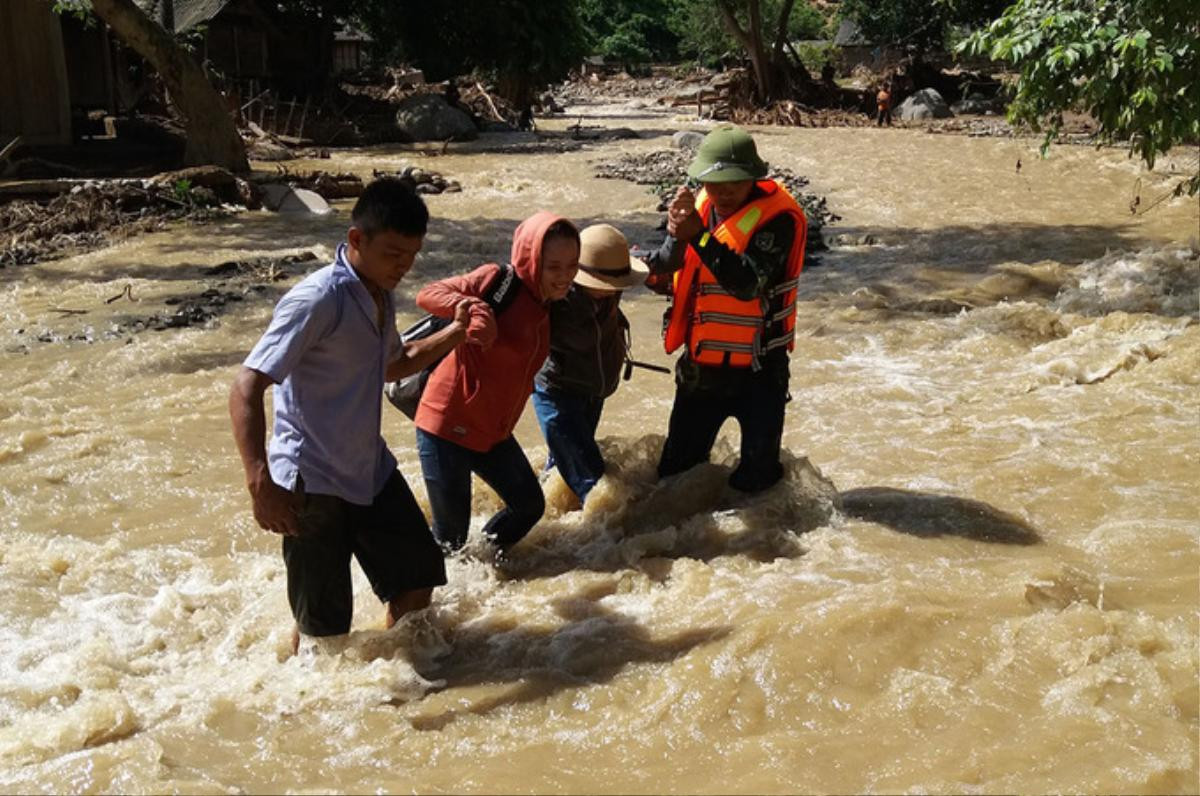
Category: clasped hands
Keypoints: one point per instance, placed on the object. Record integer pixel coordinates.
(683, 222)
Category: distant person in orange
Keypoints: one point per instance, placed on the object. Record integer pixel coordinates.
(883, 104)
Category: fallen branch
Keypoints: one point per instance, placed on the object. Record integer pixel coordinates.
(10, 147)
(489, 102)
(126, 293)
(256, 99)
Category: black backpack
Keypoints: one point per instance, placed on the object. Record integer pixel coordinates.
(405, 394)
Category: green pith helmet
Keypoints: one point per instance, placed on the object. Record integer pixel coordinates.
(727, 154)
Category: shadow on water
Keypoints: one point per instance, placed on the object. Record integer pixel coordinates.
(193, 362)
(524, 664)
(928, 515)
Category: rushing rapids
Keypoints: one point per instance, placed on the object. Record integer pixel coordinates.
(979, 575)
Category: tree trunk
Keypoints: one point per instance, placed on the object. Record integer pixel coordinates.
(751, 41)
(781, 31)
(212, 137)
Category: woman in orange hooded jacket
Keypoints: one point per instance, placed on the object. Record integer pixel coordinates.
(476, 394)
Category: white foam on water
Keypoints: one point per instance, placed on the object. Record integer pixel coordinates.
(1164, 281)
(665, 635)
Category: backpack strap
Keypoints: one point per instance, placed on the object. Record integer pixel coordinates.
(502, 289)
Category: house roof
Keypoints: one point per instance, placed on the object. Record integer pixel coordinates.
(348, 32)
(849, 34)
(188, 13)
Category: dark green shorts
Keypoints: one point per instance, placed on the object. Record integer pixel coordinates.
(390, 538)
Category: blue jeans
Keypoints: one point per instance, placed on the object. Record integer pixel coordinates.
(569, 422)
(447, 467)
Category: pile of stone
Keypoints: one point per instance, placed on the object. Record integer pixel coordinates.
(327, 184)
(423, 181)
(240, 280)
(974, 128)
(584, 89)
(234, 282)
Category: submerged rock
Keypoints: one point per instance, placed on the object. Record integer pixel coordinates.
(687, 139)
(286, 199)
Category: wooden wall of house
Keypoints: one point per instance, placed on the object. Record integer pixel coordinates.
(89, 64)
(34, 95)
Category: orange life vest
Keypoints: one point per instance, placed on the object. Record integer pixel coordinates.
(718, 328)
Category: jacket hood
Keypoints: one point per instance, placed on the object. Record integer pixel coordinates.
(526, 255)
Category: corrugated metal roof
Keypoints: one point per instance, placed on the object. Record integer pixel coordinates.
(188, 13)
(849, 33)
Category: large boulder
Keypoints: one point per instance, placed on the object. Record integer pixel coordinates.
(428, 117)
(925, 104)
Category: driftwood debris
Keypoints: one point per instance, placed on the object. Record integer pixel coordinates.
(10, 147)
(492, 105)
(126, 293)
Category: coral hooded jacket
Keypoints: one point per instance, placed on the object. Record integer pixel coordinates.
(477, 393)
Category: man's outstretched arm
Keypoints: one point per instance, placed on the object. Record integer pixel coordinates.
(419, 354)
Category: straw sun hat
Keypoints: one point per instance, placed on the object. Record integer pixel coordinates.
(604, 261)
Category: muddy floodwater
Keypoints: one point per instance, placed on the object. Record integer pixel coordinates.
(980, 575)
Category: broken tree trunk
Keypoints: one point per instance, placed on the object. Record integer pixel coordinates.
(212, 137)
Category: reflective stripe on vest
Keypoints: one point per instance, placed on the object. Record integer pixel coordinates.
(717, 327)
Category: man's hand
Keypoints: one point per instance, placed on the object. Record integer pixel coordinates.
(462, 312)
(274, 506)
(419, 354)
(683, 222)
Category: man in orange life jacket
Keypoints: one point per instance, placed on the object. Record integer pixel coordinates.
(733, 257)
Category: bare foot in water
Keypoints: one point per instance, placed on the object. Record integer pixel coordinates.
(295, 639)
(413, 600)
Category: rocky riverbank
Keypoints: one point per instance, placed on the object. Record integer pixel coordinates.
(218, 289)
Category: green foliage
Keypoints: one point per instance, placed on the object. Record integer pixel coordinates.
(182, 188)
(629, 31)
(524, 43)
(703, 36)
(805, 22)
(814, 56)
(1133, 65)
(78, 9)
(920, 24)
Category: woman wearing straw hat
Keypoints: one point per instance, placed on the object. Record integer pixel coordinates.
(588, 345)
